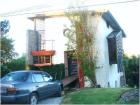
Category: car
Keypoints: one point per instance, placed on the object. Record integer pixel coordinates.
(28, 86)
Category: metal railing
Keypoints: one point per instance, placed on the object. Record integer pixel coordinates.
(47, 45)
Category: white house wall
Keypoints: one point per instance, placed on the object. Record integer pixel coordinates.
(106, 74)
(54, 31)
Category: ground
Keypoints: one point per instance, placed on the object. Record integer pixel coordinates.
(50, 101)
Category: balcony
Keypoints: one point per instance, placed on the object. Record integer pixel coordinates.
(42, 58)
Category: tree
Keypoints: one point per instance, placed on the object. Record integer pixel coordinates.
(81, 41)
(6, 45)
(18, 64)
(131, 65)
(14, 64)
(4, 26)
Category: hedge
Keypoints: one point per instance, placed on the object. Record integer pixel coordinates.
(57, 71)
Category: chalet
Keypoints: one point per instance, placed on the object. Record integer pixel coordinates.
(48, 28)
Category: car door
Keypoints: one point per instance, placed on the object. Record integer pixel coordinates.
(50, 85)
(39, 83)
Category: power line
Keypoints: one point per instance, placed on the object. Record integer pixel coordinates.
(16, 13)
(25, 9)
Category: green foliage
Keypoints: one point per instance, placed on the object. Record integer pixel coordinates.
(57, 71)
(17, 64)
(4, 70)
(6, 44)
(81, 40)
(131, 65)
(4, 25)
(7, 49)
(14, 65)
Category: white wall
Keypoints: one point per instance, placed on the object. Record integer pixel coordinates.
(105, 72)
(54, 31)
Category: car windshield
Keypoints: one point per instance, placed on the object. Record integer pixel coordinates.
(16, 76)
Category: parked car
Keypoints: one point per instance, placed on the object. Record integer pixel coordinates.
(28, 86)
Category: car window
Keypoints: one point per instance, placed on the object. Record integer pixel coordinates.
(38, 77)
(16, 76)
(46, 77)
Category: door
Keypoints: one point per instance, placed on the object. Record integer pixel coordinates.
(39, 83)
(50, 86)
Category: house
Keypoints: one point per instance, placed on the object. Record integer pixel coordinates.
(108, 44)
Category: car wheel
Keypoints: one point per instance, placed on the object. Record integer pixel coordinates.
(59, 92)
(33, 99)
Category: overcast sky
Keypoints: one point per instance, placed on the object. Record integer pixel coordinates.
(127, 15)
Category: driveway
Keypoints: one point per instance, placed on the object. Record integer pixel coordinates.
(52, 100)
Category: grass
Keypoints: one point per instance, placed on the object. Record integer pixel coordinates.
(94, 96)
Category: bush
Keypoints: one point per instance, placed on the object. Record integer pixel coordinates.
(131, 65)
(17, 64)
(4, 70)
(57, 71)
(14, 65)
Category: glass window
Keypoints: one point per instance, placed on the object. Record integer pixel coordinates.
(35, 59)
(33, 79)
(16, 76)
(46, 76)
(38, 77)
(47, 59)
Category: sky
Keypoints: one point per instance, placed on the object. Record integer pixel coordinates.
(127, 15)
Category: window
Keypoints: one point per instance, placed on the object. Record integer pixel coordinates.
(35, 59)
(16, 76)
(112, 49)
(38, 77)
(46, 77)
(115, 49)
(41, 59)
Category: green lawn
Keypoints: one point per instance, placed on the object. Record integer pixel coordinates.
(94, 96)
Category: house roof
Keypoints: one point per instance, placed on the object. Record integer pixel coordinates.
(107, 16)
(111, 21)
(113, 34)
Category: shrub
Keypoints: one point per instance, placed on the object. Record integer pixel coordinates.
(57, 71)
(131, 65)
